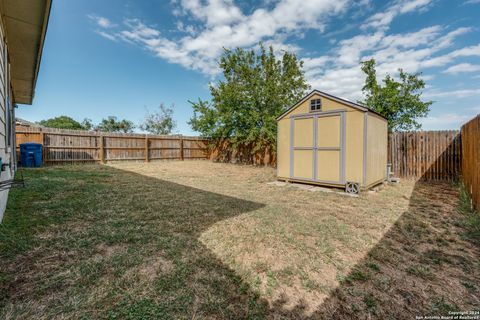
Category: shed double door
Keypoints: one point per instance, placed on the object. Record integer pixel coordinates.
(317, 148)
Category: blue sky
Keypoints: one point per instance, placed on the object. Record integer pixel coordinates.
(121, 57)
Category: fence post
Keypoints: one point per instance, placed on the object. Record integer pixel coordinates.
(42, 139)
(181, 149)
(146, 149)
(102, 148)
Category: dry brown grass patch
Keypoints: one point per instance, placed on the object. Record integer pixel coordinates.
(196, 239)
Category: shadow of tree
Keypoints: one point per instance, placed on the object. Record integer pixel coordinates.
(447, 165)
(112, 243)
(424, 265)
(116, 244)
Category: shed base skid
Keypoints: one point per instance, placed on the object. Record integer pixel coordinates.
(331, 185)
(374, 184)
(313, 183)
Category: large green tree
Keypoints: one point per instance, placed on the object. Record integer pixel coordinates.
(64, 122)
(112, 124)
(255, 89)
(399, 101)
(160, 121)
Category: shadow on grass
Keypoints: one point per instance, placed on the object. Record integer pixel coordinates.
(423, 265)
(426, 264)
(99, 242)
(96, 241)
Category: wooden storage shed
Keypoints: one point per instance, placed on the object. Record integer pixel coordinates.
(326, 140)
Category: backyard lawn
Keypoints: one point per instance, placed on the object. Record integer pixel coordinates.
(196, 239)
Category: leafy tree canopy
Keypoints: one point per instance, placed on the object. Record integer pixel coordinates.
(399, 101)
(112, 124)
(160, 121)
(63, 122)
(257, 87)
(87, 124)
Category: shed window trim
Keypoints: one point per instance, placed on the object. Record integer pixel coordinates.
(315, 105)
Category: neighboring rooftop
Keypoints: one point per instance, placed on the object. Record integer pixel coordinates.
(26, 123)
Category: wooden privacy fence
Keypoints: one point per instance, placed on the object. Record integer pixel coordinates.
(68, 146)
(471, 159)
(428, 155)
(222, 151)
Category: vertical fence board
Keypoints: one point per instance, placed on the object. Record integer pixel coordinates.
(71, 146)
(471, 159)
(428, 155)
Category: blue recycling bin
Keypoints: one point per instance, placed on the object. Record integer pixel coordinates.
(31, 154)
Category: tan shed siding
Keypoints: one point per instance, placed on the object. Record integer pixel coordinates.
(354, 146)
(365, 148)
(329, 165)
(377, 132)
(328, 131)
(303, 164)
(353, 140)
(283, 145)
(327, 105)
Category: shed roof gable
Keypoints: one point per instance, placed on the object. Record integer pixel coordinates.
(328, 96)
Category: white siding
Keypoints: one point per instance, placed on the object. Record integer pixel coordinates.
(7, 136)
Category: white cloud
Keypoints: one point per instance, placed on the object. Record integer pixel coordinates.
(106, 35)
(467, 51)
(339, 72)
(224, 25)
(383, 19)
(462, 68)
(214, 12)
(221, 24)
(443, 60)
(428, 77)
(101, 22)
(446, 119)
(461, 93)
(475, 109)
(189, 29)
(472, 2)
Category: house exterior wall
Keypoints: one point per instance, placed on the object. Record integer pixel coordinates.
(354, 139)
(377, 140)
(7, 116)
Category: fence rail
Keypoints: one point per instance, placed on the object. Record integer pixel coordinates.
(427, 155)
(471, 159)
(67, 146)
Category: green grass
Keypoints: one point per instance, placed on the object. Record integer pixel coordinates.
(95, 241)
(472, 218)
(397, 277)
(357, 275)
(421, 271)
(370, 302)
(184, 240)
